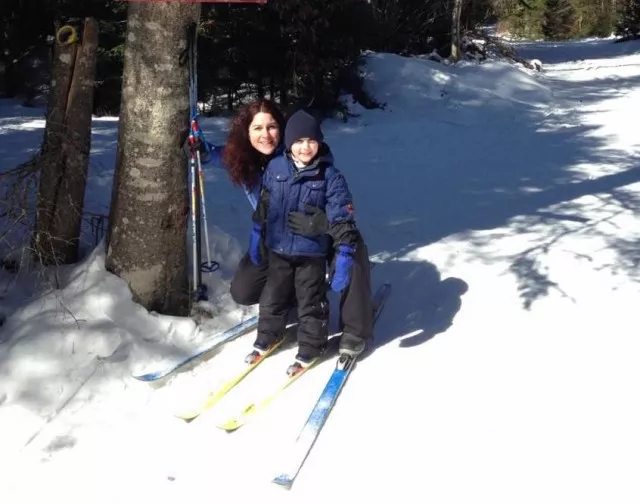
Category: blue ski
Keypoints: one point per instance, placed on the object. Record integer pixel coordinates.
(324, 405)
(211, 344)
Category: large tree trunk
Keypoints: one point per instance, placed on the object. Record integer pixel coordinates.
(149, 207)
(64, 158)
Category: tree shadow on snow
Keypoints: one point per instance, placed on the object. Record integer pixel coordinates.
(422, 304)
(499, 168)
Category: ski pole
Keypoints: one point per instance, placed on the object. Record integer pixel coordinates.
(194, 225)
(196, 133)
(210, 266)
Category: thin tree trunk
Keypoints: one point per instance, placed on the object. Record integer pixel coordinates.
(272, 88)
(455, 30)
(147, 225)
(76, 148)
(230, 98)
(50, 163)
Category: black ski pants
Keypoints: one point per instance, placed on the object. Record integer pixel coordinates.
(301, 279)
(356, 311)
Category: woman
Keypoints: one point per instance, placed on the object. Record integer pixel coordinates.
(255, 137)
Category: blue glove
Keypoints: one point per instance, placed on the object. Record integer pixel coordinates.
(255, 245)
(344, 261)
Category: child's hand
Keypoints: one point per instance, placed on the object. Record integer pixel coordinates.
(344, 261)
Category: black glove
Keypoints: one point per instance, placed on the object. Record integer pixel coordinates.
(311, 223)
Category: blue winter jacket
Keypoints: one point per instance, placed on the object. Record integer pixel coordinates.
(287, 188)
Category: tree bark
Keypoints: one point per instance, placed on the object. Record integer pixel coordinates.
(50, 159)
(77, 146)
(149, 208)
(64, 158)
(455, 30)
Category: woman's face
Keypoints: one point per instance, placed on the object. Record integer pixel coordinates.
(264, 133)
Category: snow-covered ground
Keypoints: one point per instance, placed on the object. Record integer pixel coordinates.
(501, 203)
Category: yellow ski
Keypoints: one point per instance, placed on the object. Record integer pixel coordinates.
(255, 407)
(214, 397)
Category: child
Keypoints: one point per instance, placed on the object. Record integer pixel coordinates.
(302, 177)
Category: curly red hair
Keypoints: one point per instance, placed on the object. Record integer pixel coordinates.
(243, 162)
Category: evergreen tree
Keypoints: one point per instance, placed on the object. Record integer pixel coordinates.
(629, 25)
(559, 20)
(325, 39)
(524, 18)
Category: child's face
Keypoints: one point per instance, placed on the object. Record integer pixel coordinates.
(305, 150)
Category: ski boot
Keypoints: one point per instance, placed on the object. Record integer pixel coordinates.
(302, 362)
(260, 347)
(304, 359)
(351, 345)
